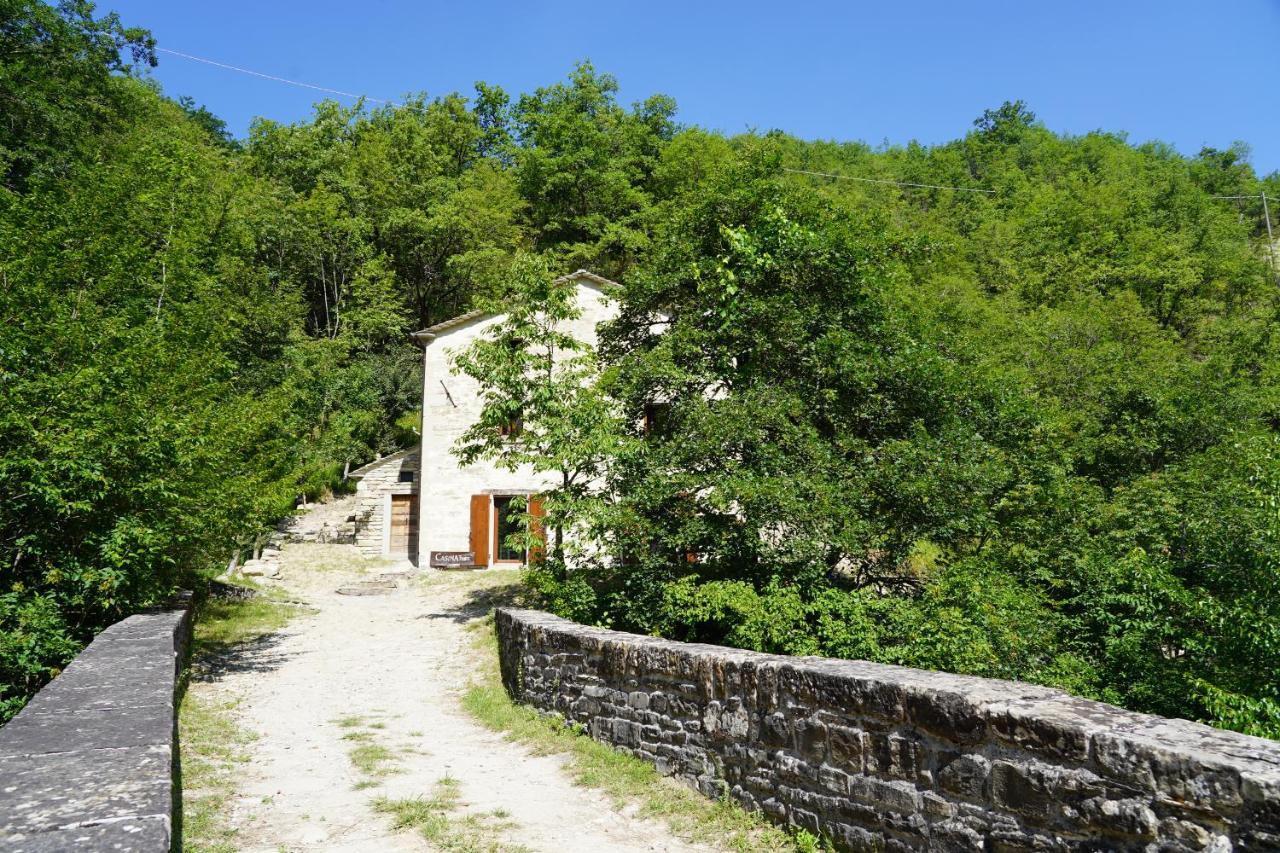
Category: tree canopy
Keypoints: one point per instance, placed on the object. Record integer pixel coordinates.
(1027, 431)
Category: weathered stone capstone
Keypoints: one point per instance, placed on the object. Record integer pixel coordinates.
(90, 763)
(878, 757)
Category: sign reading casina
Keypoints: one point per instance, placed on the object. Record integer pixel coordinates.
(452, 559)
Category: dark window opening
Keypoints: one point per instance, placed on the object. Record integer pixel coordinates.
(513, 427)
(507, 521)
(406, 476)
(657, 418)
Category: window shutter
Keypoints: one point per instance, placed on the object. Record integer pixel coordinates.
(480, 529)
(537, 553)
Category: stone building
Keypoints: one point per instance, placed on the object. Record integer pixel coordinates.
(423, 501)
(387, 488)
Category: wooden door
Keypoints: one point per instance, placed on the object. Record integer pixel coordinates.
(404, 524)
(480, 529)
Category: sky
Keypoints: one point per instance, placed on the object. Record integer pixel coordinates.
(1187, 73)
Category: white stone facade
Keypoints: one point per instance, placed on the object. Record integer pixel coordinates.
(451, 404)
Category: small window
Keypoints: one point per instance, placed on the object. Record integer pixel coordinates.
(407, 475)
(513, 427)
(657, 418)
(507, 512)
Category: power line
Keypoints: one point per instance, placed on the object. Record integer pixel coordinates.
(275, 78)
(882, 181)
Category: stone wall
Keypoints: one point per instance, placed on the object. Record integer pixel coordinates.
(888, 758)
(377, 481)
(91, 762)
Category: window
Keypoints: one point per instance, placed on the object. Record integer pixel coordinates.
(507, 521)
(406, 475)
(657, 418)
(513, 427)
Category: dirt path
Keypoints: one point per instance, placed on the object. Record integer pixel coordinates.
(385, 672)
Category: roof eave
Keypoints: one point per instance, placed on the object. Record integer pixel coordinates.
(424, 337)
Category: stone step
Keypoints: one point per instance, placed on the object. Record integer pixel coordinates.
(261, 569)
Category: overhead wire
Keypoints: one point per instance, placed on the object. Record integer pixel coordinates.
(389, 102)
(253, 73)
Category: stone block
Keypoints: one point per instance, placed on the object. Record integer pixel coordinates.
(88, 763)
(844, 748)
(123, 836)
(1016, 789)
(45, 792)
(966, 776)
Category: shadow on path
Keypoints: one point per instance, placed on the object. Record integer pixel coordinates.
(216, 661)
(478, 603)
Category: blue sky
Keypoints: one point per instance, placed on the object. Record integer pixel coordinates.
(1189, 73)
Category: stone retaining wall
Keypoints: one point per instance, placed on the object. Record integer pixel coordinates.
(879, 757)
(91, 762)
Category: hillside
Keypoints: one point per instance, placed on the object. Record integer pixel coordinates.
(1027, 431)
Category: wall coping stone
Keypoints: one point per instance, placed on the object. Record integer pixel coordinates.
(91, 762)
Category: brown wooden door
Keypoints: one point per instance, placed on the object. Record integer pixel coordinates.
(480, 529)
(404, 524)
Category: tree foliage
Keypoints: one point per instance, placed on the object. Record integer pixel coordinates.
(1029, 432)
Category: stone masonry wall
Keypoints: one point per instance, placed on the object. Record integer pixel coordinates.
(380, 479)
(882, 757)
(91, 762)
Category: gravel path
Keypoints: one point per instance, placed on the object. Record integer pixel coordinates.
(388, 670)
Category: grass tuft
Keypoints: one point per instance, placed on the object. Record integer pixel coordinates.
(436, 818)
(374, 759)
(212, 743)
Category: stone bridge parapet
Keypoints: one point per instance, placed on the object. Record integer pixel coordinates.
(91, 762)
(878, 757)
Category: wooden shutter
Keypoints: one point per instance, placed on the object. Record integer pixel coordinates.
(480, 529)
(537, 553)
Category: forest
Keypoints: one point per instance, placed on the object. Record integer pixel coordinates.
(1008, 405)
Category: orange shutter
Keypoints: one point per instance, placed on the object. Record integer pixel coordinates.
(480, 529)
(536, 513)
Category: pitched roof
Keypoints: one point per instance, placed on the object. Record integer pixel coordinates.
(590, 279)
(382, 460)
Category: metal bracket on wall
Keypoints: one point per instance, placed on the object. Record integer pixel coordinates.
(447, 394)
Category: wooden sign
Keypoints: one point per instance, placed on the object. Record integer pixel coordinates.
(453, 559)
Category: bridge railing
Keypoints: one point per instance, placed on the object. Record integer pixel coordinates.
(91, 763)
(878, 757)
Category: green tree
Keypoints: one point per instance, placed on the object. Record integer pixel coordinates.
(542, 410)
(58, 82)
(583, 163)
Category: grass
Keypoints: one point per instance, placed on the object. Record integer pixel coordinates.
(624, 778)
(367, 755)
(222, 623)
(321, 558)
(437, 819)
(373, 759)
(212, 743)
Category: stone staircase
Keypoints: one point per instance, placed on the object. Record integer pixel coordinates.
(332, 522)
